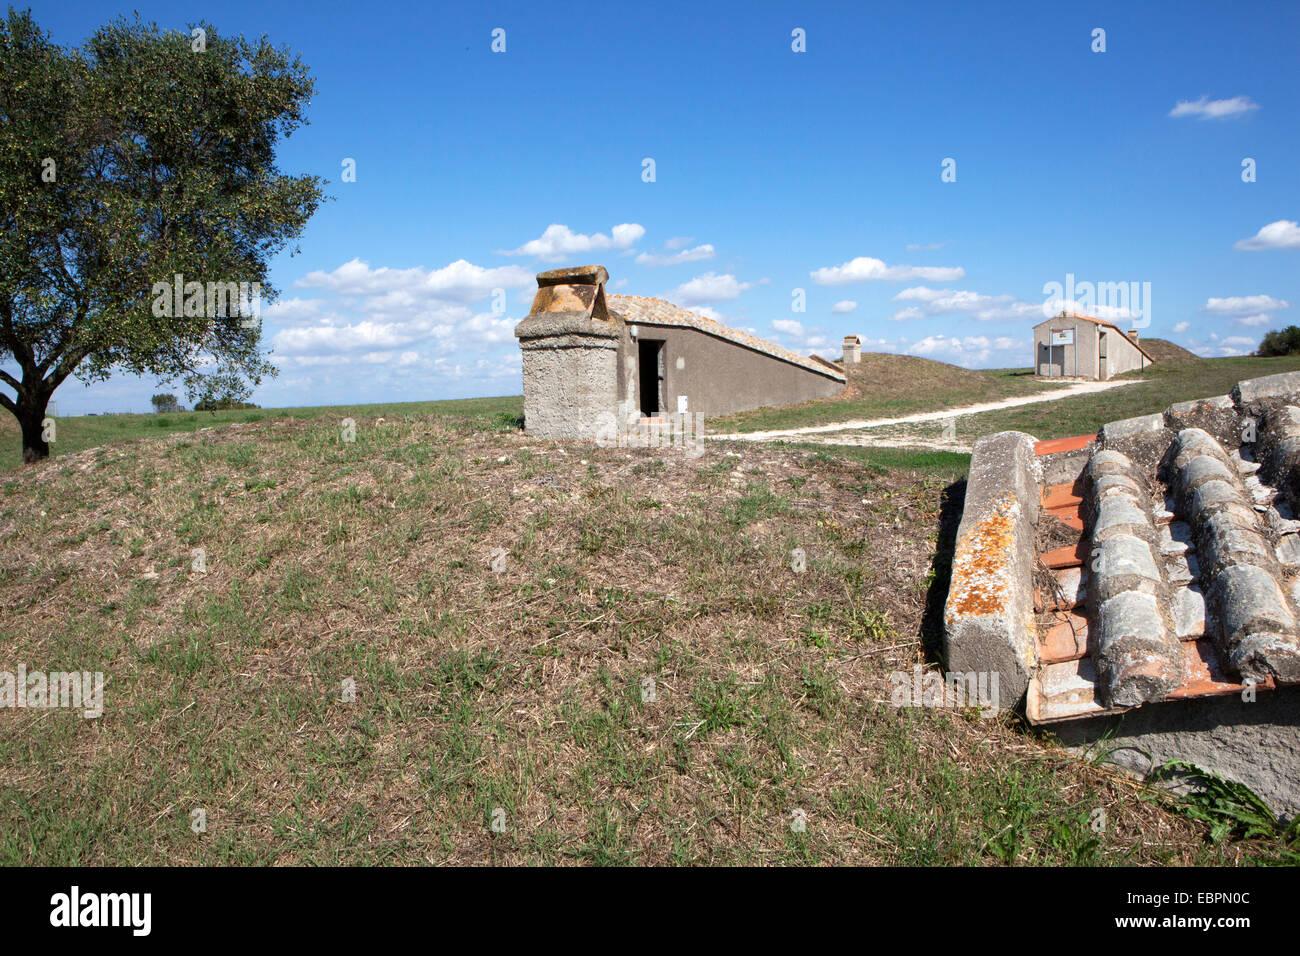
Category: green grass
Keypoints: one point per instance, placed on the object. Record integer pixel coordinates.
(515, 696)
(891, 387)
(79, 432)
(1155, 390)
(947, 465)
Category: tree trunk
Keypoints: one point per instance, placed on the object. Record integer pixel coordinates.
(30, 417)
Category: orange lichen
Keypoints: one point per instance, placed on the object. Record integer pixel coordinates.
(980, 568)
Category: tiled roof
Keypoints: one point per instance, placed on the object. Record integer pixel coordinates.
(643, 310)
(1185, 578)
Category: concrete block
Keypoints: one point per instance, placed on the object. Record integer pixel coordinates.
(1142, 427)
(989, 617)
(1249, 393)
(1184, 410)
(1252, 742)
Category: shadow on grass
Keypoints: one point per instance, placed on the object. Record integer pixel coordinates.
(950, 508)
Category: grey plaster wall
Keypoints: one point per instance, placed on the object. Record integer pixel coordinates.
(719, 377)
(1090, 342)
(1253, 742)
(570, 389)
(1063, 357)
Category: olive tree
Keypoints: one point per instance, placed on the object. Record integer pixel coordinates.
(142, 160)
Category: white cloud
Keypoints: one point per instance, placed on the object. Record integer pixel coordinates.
(1283, 234)
(290, 311)
(986, 308)
(1248, 310)
(1182, 326)
(678, 242)
(975, 350)
(844, 306)
(559, 242)
(926, 246)
(459, 281)
(1242, 304)
(709, 287)
(788, 326)
(696, 254)
(1224, 347)
(867, 269)
(396, 322)
(1206, 108)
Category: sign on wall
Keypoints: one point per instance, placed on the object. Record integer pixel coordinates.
(1062, 336)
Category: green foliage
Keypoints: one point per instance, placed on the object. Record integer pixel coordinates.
(1284, 342)
(123, 163)
(507, 422)
(1233, 809)
(164, 402)
(222, 404)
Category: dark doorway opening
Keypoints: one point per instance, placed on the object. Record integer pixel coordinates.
(650, 373)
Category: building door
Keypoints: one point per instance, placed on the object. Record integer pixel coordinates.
(1102, 372)
(650, 375)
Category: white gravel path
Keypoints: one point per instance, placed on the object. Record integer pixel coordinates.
(1055, 395)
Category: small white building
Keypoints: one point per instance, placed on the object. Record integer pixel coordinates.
(1080, 346)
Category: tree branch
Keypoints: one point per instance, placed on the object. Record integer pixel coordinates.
(21, 350)
(66, 367)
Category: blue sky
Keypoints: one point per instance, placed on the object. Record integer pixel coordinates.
(775, 170)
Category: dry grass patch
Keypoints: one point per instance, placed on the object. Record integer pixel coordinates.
(522, 697)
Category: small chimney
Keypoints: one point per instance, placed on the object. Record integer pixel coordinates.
(1133, 335)
(579, 290)
(569, 345)
(852, 350)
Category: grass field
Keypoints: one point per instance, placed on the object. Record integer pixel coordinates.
(1154, 390)
(891, 386)
(79, 432)
(517, 696)
(645, 679)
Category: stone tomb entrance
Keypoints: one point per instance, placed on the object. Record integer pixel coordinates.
(586, 357)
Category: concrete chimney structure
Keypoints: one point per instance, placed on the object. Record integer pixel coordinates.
(570, 356)
(852, 350)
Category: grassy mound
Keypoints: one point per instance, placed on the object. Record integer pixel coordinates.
(887, 385)
(642, 679)
(1167, 353)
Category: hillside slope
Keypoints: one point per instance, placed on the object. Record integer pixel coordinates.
(1167, 353)
(884, 385)
(644, 679)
